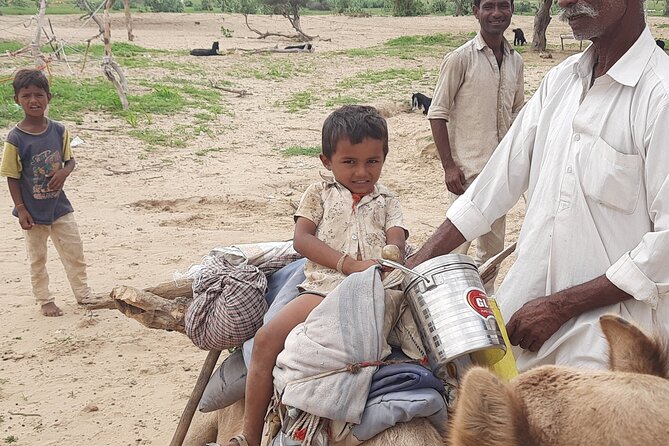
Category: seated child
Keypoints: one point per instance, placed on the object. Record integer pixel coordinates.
(341, 226)
(37, 160)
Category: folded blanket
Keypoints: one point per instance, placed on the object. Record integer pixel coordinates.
(403, 377)
(346, 328)
(388, 409)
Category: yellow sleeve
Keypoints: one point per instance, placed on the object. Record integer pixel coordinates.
(67, 149)
(11, 163)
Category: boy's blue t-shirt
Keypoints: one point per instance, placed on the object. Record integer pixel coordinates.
(33, 159)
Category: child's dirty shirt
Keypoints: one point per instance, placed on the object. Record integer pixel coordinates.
(358, 230)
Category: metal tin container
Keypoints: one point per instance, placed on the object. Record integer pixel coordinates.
(452, 311)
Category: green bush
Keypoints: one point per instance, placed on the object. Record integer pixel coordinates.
(441, 7)
(165, 5)
(408, 8)
(525, 7)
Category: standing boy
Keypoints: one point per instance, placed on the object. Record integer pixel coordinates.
(37, 160)
(479, 91)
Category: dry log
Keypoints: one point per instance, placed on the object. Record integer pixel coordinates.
(168, 290)
(151, 310)
(172, 289)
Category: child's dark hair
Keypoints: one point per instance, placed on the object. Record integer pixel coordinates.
(355, 123)
(26, 78)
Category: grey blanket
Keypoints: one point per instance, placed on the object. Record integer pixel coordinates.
(346, 328)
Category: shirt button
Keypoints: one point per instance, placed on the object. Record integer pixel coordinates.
(354, 237)
(569, 169)
(577, 137)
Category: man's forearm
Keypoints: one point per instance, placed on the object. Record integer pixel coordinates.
(596, 293)
(440, 136)
(446, 238)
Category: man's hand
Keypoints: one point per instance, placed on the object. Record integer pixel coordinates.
(455, 179)
(58, 179)
(25, 219)
(534, 323)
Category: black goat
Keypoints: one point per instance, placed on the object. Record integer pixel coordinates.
(518, 37)
(419, 100)
(213, 51)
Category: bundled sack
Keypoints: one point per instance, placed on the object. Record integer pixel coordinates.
(228, 304)
(228, 292)
(227, 384)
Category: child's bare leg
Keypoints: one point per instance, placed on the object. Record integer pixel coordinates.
(50, 309)
(267, 345)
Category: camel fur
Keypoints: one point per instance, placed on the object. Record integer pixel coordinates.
(223, 424)
(561, 406)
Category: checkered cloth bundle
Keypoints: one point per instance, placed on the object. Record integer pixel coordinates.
(228, 304)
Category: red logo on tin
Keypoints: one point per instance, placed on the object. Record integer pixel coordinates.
(478, 300)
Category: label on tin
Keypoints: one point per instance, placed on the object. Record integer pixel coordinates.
(478, 300)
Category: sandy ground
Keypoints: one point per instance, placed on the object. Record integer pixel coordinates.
(102, 379)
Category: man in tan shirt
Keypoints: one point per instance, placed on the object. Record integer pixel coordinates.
(479, 91)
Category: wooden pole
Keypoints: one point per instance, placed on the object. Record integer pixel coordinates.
(490, 267)
(194, 400)
(128, 19)
(34, 46)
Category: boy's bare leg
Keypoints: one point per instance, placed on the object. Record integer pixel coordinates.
(50, 309)
(267, 345)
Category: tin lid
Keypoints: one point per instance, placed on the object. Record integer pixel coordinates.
(447, 261)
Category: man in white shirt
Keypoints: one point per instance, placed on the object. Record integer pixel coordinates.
(479, 91)
(592, 149)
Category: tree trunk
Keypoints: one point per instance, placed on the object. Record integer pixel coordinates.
(128, 19)
(34, 46)
(109, 67)
(541, 21)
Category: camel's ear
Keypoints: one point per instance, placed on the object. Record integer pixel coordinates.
(487, 412)
(631, 350)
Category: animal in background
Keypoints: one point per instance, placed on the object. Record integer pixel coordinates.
(557, 405)
(213, 51)
(518, 37)
(419, 100)
(660, 43)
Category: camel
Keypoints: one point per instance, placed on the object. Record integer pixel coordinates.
(223, 424)
(561, 406)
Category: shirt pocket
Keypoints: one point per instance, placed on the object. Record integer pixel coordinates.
(613, 178)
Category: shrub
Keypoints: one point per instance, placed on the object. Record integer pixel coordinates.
(408, 8)
(165, 5)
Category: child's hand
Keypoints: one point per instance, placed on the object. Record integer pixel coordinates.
(25, 219)
(58, 179)
(355, 266)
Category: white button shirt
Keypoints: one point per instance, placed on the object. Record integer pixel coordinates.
(595, 162)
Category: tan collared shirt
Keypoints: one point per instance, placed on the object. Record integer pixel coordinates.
(479, 99)
(352, 230)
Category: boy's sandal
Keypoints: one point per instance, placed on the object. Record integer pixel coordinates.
(240, 440)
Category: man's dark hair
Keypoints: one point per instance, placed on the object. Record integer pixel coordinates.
(26, 78)
(477, 3)
(355, 123)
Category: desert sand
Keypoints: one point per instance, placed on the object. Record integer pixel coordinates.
(99, 378)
